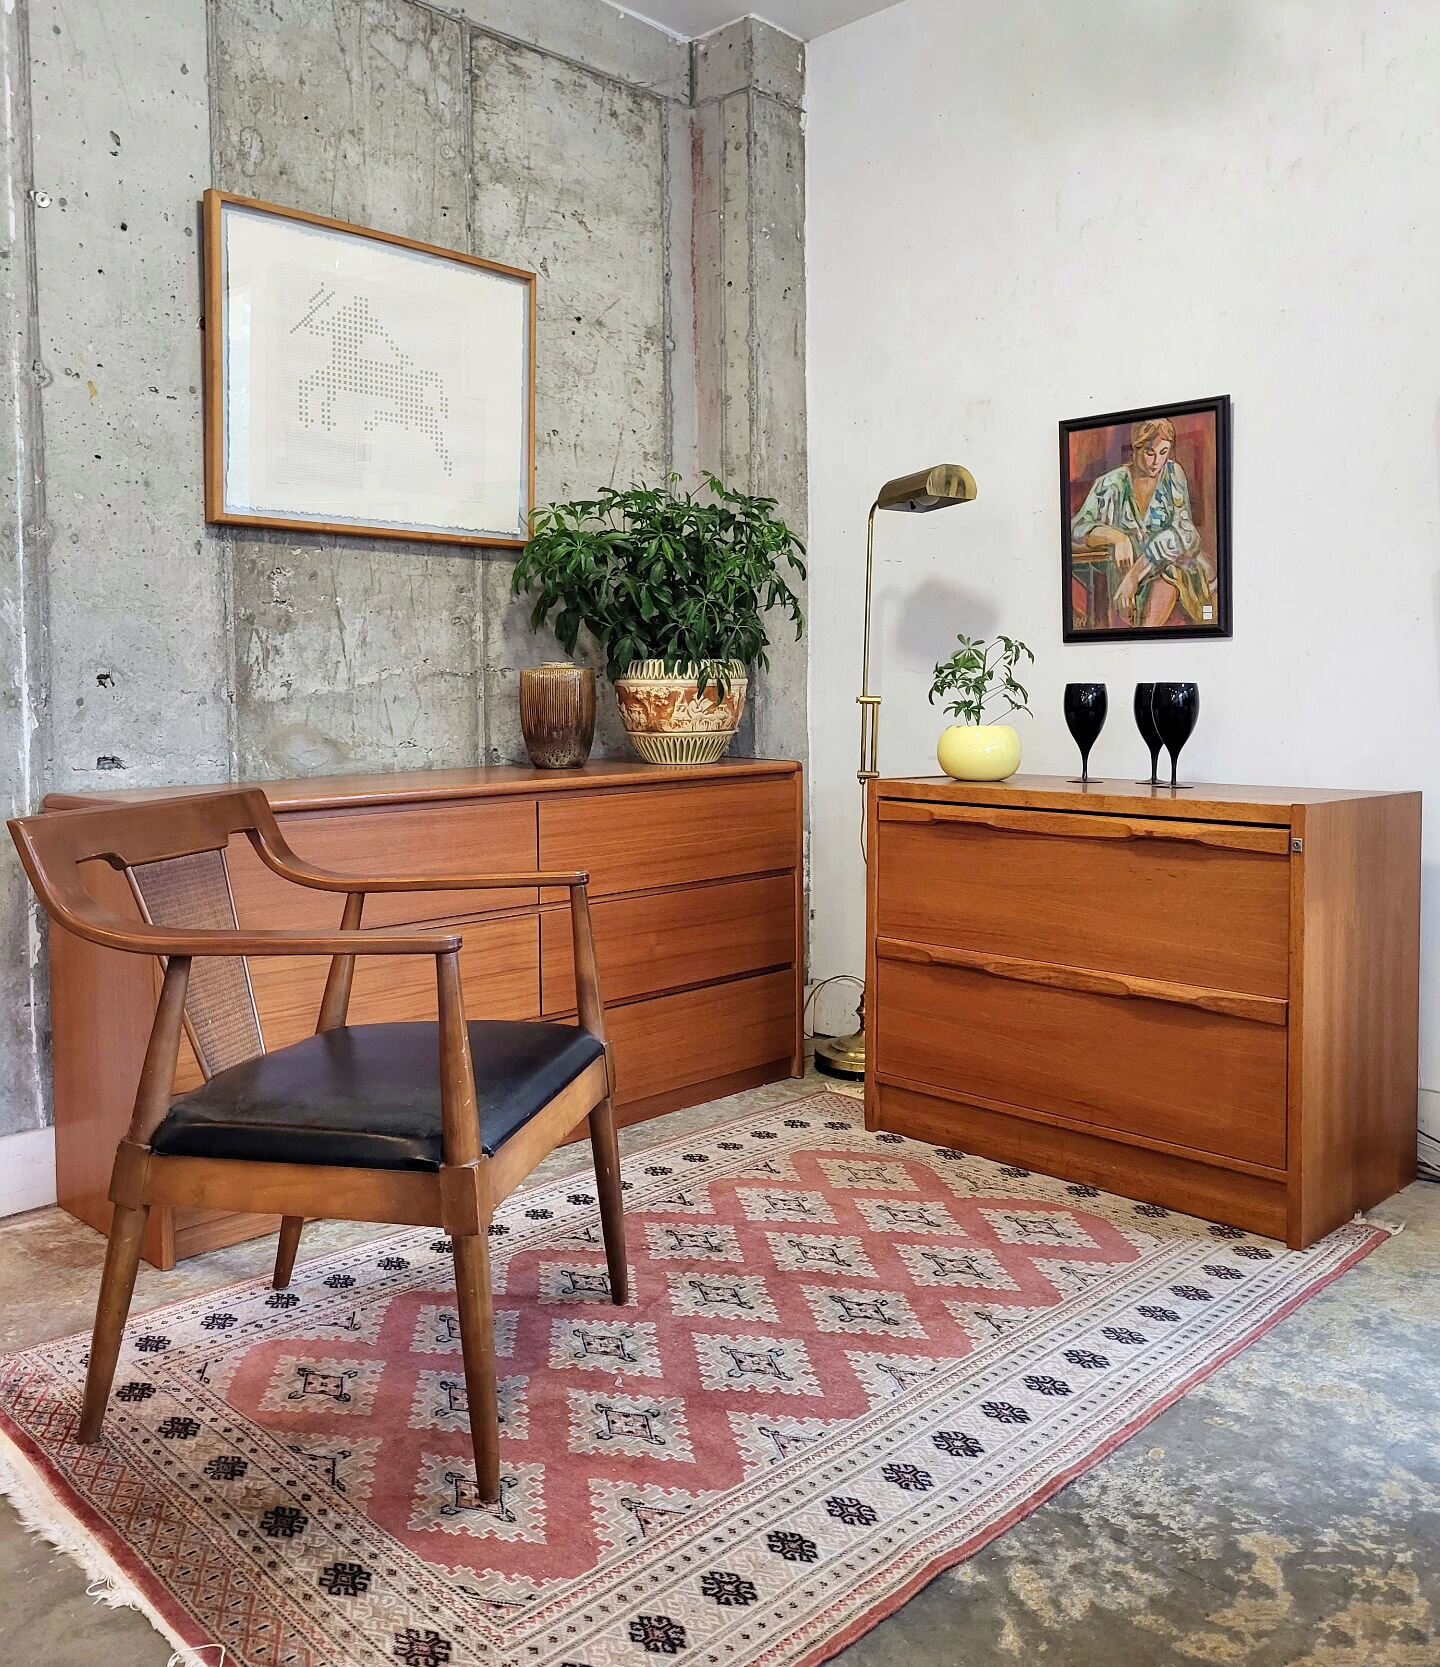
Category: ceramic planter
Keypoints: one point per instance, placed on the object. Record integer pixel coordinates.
(670, 722)
(979, 752)
(557, 714)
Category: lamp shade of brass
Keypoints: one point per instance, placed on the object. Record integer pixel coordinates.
(937, 488)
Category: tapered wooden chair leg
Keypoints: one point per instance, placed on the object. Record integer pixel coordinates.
(477, 1344)
(606, 1147)
(291, 1228)
(117, 1286)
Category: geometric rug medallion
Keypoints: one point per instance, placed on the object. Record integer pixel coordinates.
(850, 1360)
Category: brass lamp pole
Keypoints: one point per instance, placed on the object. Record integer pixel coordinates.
(917, 494)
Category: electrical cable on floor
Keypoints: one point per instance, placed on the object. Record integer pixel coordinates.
(815, 989)
(839, 977)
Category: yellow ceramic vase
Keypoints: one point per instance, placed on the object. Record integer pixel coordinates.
(979, 752)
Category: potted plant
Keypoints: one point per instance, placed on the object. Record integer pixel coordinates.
(980, 674)
(673, 586)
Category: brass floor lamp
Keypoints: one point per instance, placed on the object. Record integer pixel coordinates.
(917, 494)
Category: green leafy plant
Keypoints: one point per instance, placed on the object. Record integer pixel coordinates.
(979, 673)
(659, 574)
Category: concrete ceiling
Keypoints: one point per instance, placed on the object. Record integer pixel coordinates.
(802, 18)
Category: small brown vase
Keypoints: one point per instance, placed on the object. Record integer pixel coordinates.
(557, 714)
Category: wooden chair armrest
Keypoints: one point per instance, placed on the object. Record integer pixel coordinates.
(460, 1114)
(277, 855)
(590, 1009)
(140, 937)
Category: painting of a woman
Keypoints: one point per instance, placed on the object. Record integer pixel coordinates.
(1145, 546)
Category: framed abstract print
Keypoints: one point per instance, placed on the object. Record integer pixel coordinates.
(1145, 522)
(359, 382)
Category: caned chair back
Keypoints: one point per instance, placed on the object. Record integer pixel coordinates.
(193, 891)
(173, 854)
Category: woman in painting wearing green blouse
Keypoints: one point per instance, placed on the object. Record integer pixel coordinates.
(1140, 513)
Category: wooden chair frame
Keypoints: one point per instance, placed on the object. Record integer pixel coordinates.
(460, 1197)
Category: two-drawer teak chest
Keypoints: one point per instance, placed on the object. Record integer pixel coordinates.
(695, 894)
(1205, 998)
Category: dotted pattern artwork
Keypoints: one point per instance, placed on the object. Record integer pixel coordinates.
(367, 364)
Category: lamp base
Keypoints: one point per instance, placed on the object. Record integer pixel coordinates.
(842, 1056)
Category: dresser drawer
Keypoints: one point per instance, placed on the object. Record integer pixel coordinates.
(1191, 902)
(672, 836)
(476, 837)
(674, 1041)
(499, 969)
(667, 940)
(1207, 1081)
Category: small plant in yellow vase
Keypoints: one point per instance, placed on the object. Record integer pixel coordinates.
(979, 676)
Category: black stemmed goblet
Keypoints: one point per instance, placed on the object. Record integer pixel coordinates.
(1145, 723)
(1175, 706)
(1085, 707)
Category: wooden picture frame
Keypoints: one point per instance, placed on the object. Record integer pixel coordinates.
(361, 382)
(1138, 567)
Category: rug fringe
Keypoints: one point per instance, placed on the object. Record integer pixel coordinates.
(43, 1515)
(1378, 1217)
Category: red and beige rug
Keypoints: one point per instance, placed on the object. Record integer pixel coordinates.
(851, 1360)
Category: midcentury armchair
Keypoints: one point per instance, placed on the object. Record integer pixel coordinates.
(418, 1123)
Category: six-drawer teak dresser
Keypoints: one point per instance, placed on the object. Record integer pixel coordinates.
(695, 888)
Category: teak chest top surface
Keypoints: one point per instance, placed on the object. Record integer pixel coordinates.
(1203, 802)
(416, 786)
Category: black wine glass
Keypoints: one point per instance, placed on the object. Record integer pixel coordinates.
(1145, 723)
(1086, 705)
(1175, 706)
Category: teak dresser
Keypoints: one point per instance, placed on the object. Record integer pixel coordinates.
(1206, 999)
(695, 887)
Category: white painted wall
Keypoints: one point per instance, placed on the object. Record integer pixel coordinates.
(1026, 212)
(27, 1170)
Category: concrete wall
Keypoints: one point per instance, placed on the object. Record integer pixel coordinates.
(27, 1165)
(749, 283)
(562, 135)
(1087, 208)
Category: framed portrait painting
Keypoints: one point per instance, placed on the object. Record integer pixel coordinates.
(1145, 522)
(360, 382)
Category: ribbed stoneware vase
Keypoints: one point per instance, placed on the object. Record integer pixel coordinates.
(557, 714)
(670, 722)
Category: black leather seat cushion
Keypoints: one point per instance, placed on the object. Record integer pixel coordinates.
(368, 1096)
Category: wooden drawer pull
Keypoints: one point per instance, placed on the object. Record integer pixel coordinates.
(1265, 1010)
(1063, 825)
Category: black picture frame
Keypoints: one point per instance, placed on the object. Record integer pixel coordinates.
(1216, 526)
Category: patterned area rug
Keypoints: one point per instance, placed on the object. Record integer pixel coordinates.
(850, 1361)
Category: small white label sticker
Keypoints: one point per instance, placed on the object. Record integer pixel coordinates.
(1207, 612)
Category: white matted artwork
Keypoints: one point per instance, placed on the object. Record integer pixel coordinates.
(361, 382)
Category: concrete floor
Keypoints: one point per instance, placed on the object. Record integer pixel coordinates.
(1284, 1514)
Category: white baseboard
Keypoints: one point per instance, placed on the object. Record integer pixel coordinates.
(27, 1171)
(1430, 1116)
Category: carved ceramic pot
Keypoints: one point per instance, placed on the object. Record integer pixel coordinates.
(670, 721)
(557, 714)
